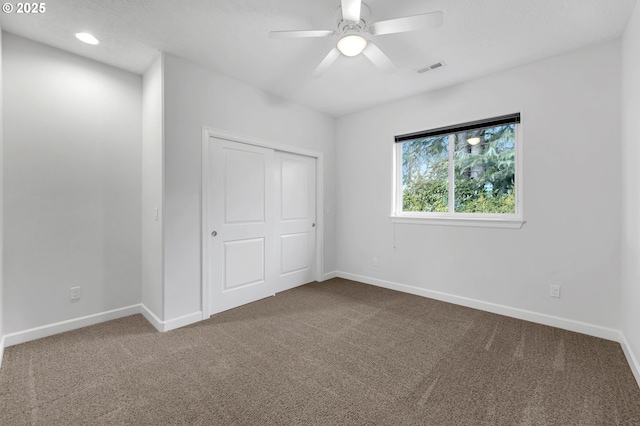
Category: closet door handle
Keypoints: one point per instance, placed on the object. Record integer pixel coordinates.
(313, 225)
(214, 233)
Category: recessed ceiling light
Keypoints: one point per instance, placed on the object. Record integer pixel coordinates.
(87, 38)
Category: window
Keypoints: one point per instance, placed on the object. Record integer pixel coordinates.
(467, 174)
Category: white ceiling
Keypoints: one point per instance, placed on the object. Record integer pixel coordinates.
(230, 36)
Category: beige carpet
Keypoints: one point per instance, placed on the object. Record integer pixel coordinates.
(337, 352)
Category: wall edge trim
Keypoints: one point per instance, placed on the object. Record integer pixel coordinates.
(156, 322)
(1, 350)
(329, 275)
(171, 324)
(24, 336)
(550, 320)
(48, 330)
(631, 357)
(183, 321)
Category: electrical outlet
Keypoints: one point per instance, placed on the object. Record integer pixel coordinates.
(376, 262)
(75, 293)
(554, 291)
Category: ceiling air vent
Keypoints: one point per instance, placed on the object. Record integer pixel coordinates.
(430, 67)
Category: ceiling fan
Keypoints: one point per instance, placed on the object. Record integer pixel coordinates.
(355, 33)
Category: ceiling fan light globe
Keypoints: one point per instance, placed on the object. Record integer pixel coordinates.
(351, 45)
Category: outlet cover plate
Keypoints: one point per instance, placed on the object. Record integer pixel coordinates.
(75, 293)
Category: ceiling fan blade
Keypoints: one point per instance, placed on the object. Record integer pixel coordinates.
(379, 59)
(301, 33)
(409, 23)
(351, 10)
(326, 62)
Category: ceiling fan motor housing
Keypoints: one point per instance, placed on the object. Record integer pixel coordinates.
(362, 26)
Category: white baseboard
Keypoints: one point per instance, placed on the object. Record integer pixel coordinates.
(1, 350)
(550, 320)
(172, 324)
(182, 321)
(162, 326)
(68, 325)
(631, 357)
(73, 324)
(151, 317)
(329, 275)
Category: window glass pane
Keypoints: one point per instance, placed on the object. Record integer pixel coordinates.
(484, 163)
(425, 175)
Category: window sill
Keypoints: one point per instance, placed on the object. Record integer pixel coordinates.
(478, 222)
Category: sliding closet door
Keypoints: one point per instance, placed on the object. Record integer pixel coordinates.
(295, 204)
(241, 239)
(260, 208)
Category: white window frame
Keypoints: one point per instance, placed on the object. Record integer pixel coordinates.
(451, 218)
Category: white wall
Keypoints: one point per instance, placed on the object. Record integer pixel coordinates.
(72, 185)
(194, 97)
(152, 176)
(570, 108)
(631, 188)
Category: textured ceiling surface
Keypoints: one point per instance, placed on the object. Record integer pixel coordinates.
(230, 36)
